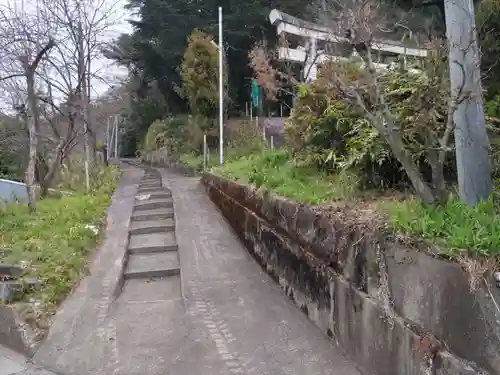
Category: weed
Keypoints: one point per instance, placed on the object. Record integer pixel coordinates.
(196, 161)
(53, 243)
(274, 171)
(461, 229)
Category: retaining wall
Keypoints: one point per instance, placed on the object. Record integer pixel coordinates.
(11, 191)
(394, 310)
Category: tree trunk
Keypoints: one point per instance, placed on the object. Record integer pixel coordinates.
(52, 170)
(421, 188)
(32, 125)
(437, 169)
(84, 102)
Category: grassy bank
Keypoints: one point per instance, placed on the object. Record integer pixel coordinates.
(272, 171)
(458, 228)
(55, 242)
(455, 227)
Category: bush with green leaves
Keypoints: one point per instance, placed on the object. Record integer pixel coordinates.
(178, 135)
(327, 130)
(199, 74)
(243, 137)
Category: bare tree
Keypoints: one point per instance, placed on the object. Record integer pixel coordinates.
(23, 44)
(47, 50)
(79, 25)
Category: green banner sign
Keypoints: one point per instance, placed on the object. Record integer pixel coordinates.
(255, 94)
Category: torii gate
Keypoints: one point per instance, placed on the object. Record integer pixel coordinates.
(318, 38)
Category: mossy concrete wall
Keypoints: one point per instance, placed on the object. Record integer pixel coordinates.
(394, 310)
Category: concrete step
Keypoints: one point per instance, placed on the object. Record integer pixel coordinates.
(141, 191)
(152, 226)
(152, 243)
(156, 214)
(156, 185)
(141, 266)
(156, 194)
(153, 204)
(154, 289)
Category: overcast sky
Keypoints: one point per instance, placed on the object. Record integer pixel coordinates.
(109, 69)
(110, 72)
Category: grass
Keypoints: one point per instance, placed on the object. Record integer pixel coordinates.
(55, 241)
(196, 161)
(273, 171)
(458, 228)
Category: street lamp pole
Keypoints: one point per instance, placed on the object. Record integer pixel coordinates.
(221, 91)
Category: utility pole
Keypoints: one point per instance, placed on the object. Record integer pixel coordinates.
(471, 138)
(221, 91)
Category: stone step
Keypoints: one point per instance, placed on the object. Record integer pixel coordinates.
(152, 226)
(159, 194)
(150, 182)
(10, 270)
(153, 204)
(141, 266)
(156, 214)
(9, 287)
(152, 243)
(150, 190)
(153, 185)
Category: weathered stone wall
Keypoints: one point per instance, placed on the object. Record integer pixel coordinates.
(394, 310)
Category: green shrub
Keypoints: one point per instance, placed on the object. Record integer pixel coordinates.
(154, 139)
(243, 138)
(329, 131)
(177, 135)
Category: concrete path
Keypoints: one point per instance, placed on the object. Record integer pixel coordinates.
(174, 292)
(237, 315)
(12, 363)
